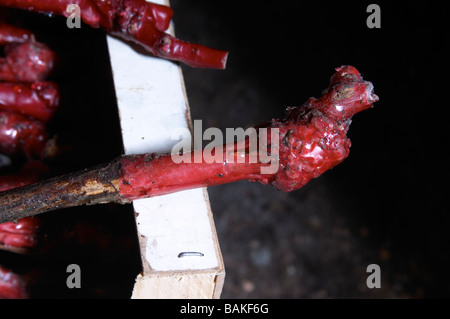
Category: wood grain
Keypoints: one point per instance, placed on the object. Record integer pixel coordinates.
(86, 187)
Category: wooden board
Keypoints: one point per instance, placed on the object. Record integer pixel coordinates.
(153, 109)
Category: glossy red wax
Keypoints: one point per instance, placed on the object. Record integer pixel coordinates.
(21, 134)
(312, 140)
(13, 34)
(139, 11)
(194, 55)
(100, 13)
(314, 136)
(25, 232)
(26, 62)
(39, 100)
(12, 286)
(147, 175)
(135, 20)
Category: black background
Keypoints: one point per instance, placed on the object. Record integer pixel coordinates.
(387, 203)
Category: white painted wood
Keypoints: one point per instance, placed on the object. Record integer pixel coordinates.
(177, 223)
(153, 108)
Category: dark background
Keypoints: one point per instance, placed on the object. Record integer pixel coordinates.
(386, 204)
(101, 239)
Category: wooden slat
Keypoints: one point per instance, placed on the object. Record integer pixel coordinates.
(153, 108)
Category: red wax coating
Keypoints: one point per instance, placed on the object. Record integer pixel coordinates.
(12, 34)
(22, 234)
(29, 61)
(167, 46)
(99, 13)
(39, 100)
(313, 137)
(12, 286)
(151, 175)
(312, 140)
(135, 20)
(21, 134)
(139, 11)
(25, 232)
